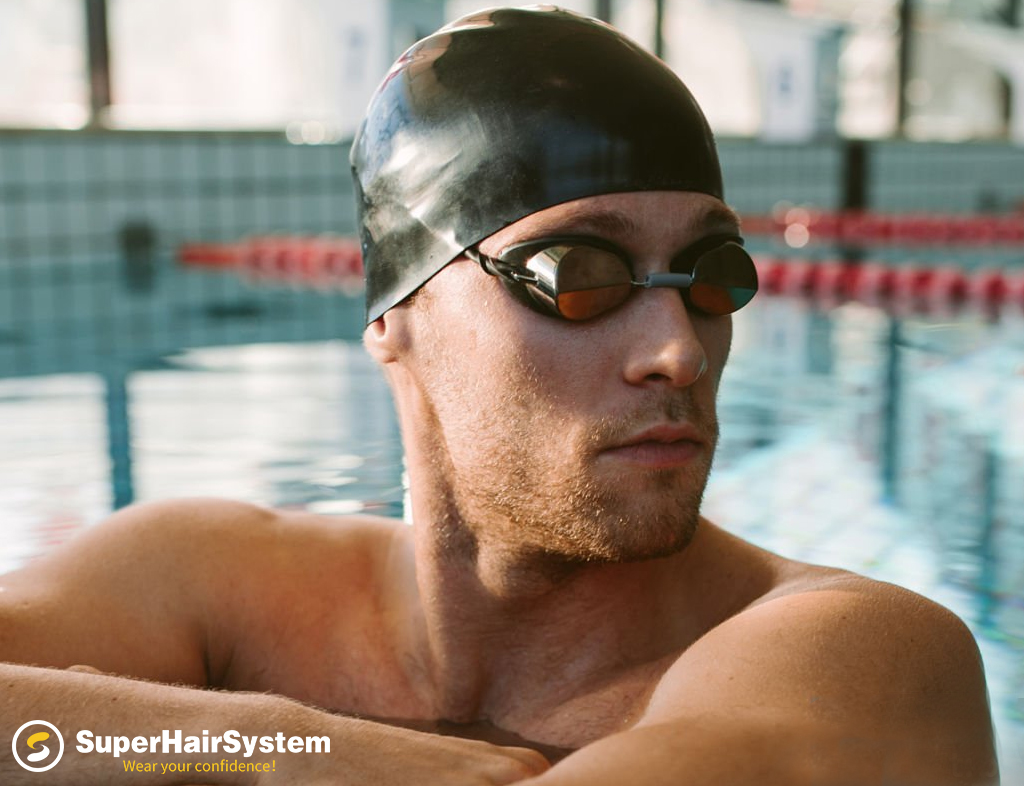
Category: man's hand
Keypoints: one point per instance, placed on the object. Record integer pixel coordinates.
(389, 756)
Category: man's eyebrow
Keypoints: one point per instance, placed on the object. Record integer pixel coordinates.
(598, 222)
(719, 217)
(616, 223)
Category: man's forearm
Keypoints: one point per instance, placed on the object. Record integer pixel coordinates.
(766, 750)
(124, 708)
(360, 751)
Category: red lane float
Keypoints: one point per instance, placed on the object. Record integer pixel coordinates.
(862, 227)
(912, 288)
(321, 262)
(213, 255)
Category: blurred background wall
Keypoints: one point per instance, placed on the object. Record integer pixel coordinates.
(180, 298)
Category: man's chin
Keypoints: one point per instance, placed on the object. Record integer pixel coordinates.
(630, 539)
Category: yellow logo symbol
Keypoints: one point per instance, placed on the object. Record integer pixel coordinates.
(39, 736)
(34, 742)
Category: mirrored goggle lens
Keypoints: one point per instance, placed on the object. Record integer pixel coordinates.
(580, 282)
(724, 280)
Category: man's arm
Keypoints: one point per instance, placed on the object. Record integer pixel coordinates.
(142, 595)
(855, 684)
(360, 752)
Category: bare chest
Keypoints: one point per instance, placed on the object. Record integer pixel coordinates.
(325, 661)
(583, 716)
(369, 677)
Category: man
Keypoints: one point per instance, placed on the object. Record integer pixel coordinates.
(550, 274)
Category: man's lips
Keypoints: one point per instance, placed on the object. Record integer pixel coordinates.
(665, 433)
(661, 446)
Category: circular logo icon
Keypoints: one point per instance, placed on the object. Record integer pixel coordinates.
(38, 746)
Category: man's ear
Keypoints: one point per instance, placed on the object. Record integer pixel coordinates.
(387, 337)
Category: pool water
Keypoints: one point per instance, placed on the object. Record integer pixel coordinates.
(892, 446)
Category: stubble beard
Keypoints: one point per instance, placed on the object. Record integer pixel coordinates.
(528, 500)
(581, 516)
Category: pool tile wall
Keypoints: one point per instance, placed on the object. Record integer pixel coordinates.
(67, 301)
(947, 178)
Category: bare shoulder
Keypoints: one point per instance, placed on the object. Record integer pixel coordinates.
(844, 608)
(177, 538)
(836, 606)
(860, 667)
(143, 592)
(835, 633)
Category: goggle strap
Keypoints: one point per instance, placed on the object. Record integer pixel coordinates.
(500, 268)
(480, 259)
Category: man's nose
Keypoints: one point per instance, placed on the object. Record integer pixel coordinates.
(664, 346)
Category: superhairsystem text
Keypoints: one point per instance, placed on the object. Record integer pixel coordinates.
(228, 742)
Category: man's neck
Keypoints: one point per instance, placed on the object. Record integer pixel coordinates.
(491, 620)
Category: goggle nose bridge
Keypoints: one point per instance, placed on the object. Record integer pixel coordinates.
(671, 280)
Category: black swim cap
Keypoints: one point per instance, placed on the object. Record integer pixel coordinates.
(503, 113)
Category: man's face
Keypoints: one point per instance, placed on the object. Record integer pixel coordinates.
(581, 440)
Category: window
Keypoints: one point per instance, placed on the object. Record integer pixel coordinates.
(43, 60)
(307, 64)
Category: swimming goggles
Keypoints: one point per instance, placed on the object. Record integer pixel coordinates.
(581, 277)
